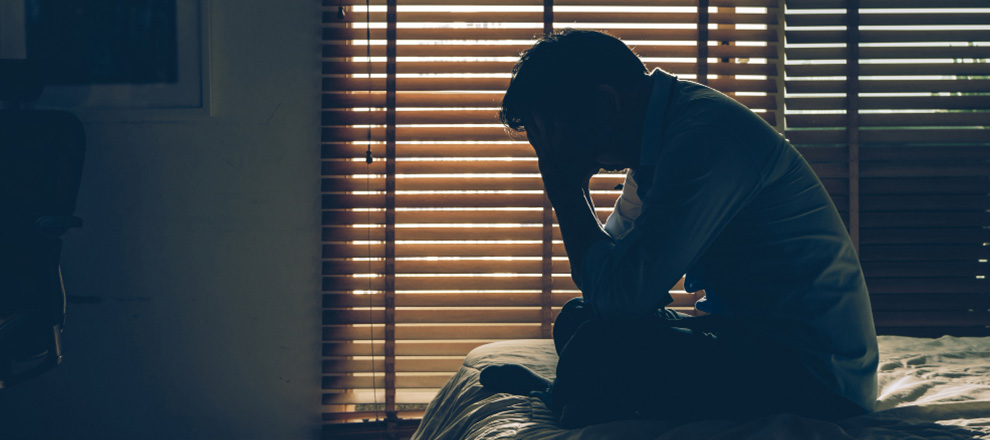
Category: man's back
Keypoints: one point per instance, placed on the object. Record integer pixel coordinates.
(782, 263)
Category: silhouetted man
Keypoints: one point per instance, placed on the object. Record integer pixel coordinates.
(715, 193)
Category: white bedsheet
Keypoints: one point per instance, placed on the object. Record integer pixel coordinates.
(929, 389)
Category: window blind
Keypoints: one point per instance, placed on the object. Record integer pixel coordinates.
(891, 98)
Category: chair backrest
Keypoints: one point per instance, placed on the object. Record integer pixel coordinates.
(41, 156)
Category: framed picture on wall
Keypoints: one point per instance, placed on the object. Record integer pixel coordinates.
(112, 55)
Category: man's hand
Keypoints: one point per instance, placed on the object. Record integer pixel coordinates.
(560, 168)
(565, 173)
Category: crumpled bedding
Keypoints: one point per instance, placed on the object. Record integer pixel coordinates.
(929, 389)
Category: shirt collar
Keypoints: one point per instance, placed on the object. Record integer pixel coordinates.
(653, 120)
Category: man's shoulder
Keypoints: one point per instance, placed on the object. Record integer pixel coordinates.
(691, 94)
(699, 108)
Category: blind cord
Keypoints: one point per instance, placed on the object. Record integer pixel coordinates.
(368, 159)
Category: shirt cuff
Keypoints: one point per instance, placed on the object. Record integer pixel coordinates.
(627, 207)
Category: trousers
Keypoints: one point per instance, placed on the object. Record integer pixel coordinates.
(672, 366)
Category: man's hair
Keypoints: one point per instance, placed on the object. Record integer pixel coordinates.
(557, 72)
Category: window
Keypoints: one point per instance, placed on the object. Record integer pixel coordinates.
(445, 241)
(891, 99)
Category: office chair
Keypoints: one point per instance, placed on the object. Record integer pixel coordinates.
(41, 156)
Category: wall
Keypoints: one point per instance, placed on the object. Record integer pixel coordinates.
(201, 246)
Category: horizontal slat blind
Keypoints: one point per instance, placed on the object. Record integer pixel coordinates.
(737, 56)
(920, 120)
(919, 143)
(476, 255)
(816, 121)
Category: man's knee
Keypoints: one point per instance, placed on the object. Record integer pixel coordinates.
(575, 309)
(600, 337)
(618, 343)
(574, 313)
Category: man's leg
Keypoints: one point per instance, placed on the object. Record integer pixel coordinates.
(670, 366)
(574, 313)
(613, 370)
(616, 369)
(516, 379)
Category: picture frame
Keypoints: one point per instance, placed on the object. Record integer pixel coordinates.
(187, 96)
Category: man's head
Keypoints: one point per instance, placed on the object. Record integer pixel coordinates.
(572, 90)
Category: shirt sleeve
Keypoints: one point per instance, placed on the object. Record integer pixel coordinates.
(627, 208)
(702, 179)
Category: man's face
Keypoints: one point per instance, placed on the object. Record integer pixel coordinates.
(542, 134)
(554, 138)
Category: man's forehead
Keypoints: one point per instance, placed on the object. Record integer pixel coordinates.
(536, 129)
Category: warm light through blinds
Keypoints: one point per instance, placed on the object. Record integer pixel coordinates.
(445, 241)
(899, 120)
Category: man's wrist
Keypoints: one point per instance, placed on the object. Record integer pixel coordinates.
(562, 193)
(579, 225)
(566, 186)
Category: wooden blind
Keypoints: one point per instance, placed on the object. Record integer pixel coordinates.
(456, 243)
(890, 100)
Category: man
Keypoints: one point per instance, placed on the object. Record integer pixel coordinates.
(715, 193)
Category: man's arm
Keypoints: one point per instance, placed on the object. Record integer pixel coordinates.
(579, 224)
(565, 179)
(702, 179)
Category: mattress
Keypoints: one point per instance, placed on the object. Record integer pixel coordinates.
(929, 389)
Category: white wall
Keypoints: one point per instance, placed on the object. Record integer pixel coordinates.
(201, 238)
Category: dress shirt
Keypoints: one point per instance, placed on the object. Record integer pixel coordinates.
(721, 197)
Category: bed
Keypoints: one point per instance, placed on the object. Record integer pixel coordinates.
(930, 388)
